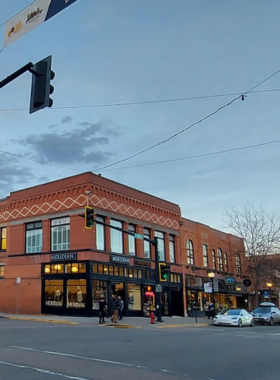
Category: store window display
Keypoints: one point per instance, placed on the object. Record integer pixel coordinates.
(149, 301)
(76, 294)
(99, 289)
(54, 293)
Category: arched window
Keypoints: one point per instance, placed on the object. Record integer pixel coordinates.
(214, 265)
(226, 262)
(220, 259)
(190, 253)
(238, 263)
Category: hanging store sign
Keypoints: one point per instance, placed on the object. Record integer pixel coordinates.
(120, 260)
(230, 280)
(64, 256)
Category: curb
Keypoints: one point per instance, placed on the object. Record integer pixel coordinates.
(41, 320)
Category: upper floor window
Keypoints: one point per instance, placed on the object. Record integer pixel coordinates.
(100, 233)
(190, 253)
(116, 237)
(147, 244)
(33, 237)
(220, 259)
(161, 247)
(3, 236)
(205, 255)
(172, 248)
(226, 261)
(131, 240)
(60, 234)
(1, 270)
(214, 265)
(238, 263)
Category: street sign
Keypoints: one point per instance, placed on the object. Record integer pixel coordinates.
(158, 288)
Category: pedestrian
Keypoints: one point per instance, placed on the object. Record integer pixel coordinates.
(211, 310)
(114, 308)
(102, 310)
(120, 308)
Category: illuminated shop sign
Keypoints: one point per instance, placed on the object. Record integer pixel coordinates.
(63, 256)
(120, 260)
(142, 263)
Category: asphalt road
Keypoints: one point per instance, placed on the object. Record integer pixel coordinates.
(49, 351)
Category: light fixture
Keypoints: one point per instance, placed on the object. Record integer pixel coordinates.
(238, 288)
(57, 267)
(211, 274)
(269, 284)
(74, 269)
(47, 269)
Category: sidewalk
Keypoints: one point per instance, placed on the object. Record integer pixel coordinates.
(127, 322)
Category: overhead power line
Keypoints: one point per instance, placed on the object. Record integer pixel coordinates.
(156, 101)
(189, 127)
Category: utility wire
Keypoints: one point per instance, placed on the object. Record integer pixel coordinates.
(144, 101)
(198, 155)
(189, 127)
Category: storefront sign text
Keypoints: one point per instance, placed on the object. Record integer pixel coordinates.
(142, 263)
(76, 304)
(63, 256)
(120, 260)
(54, 303)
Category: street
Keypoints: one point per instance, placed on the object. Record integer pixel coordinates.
(35, 350)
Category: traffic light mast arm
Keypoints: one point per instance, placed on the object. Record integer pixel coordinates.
(16, 74)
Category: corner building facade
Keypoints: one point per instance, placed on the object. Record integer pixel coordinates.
(50, 263)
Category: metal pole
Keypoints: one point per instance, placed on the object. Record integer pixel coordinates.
(16, 74)
(213, 295)
(158, 294)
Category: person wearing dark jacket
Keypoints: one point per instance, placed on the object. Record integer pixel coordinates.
(102, 310)
(114, 308)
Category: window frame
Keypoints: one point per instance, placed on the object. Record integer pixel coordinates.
(238, 263)
(172, 255)
(190, 252)
(132, 240)
(100, 232)
(147, 244)
(3, 236)
(161, 245)
(214, 262)
(205, 255)
(33, 248)
(220, 259)
(62, 229)
(116, 236)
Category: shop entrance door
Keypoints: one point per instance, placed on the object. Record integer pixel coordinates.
(164, 304)
(119, 290)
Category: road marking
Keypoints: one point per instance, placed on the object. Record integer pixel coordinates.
(42, 371)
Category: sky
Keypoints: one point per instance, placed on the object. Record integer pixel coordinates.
(149, 94)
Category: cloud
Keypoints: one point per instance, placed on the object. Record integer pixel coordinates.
(79, 145)
(11, 174)
(66, 119)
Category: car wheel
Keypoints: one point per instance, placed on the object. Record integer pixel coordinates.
(252, 323)
(271, 323)
(240, 323)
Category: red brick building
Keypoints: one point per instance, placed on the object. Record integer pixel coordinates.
(50, 263)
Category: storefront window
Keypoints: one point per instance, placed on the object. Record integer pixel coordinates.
(76, 294)
(111, 270)
(54, 293)
(75, 268)
(149, 300)
(99, 288)
(134, 297)
(57, 268)
(120, 271)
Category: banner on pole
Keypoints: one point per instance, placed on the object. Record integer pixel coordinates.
(32, 16)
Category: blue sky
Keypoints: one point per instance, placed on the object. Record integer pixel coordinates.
(107, 54)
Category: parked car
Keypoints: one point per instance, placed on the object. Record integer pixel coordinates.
(266, 312)
(234, 317)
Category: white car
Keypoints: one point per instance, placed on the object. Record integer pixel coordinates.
(234, 317)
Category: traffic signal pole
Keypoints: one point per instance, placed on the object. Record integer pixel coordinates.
(158, 294)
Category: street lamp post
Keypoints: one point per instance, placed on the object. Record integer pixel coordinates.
(269, 285)
(211, 275)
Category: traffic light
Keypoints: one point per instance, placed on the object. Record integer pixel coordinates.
(164, 270)
(89, 220)
(41, 87)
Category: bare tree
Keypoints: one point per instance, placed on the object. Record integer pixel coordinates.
(261, 235)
